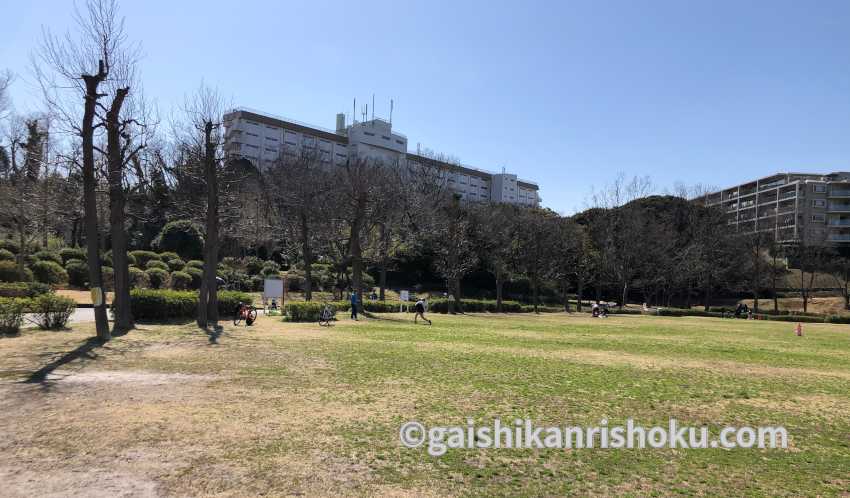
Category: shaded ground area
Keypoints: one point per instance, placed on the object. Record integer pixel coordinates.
(297, 409)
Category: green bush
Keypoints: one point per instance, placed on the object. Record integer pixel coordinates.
(195, 263)
(168, 255)
(196, 274)
(180, 280)
(23, 289)
(48, 256)
(6, 255)
(479, 306)
(106, 258)
(150, 304)
(11, 315)
(10, 245)
(253, 265)
(69, 253)
(272, 269)
(156, 264)
(51, 311)
(138, 278)
(158, 278)
(837, 319)
(306, 311)
(182, 237)
(176, 264)
(78, 273)
(141, 258)
(9, 273)
(49, 272)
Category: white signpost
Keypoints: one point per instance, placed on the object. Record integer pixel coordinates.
(273, 289)
(403, 296)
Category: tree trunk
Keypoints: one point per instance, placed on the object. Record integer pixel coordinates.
(307, 254)
(385, 256)
(115, 165)
(566, 296)
(579, 293)
(534, 296)
(208, 296)
(356, 251)
(625, 293)
(90, 203)
(708, 293)
(458, 301)
(775, 297)
(499, 283)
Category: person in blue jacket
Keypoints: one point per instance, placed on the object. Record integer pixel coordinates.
(354, 305)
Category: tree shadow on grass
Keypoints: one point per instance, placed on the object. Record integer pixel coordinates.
(86, 351)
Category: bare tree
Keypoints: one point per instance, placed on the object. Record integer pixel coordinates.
(70, 70)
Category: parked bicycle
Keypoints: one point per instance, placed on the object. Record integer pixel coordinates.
(246, 313)
(326, 316)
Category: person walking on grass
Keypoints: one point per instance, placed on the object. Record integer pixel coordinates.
(420, 311)
(353, 305)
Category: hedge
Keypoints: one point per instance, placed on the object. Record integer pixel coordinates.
(168, 255)
(6, 255)
(49, 272)
(195, 263)
(151, 304)
(156, 264)
(11, 315)
(138, 278)
(306, 311)
(196, 274)
(10, 245)
(176, 264)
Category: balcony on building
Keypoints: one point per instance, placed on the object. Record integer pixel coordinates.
(839, 207)
(842, 191)
(748, 189)
(787, 193)
(838, 237)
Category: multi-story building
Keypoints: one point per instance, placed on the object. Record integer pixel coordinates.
(794, 206)
(262, 139)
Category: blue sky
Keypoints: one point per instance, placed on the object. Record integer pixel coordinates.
(564, 93)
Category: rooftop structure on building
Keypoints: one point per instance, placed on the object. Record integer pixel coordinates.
(264, 138)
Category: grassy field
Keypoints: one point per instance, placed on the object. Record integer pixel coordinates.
(294, 409)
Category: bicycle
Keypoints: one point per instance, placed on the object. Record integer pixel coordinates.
(326, 316)
(245, 312)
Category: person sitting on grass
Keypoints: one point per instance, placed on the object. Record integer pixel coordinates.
(420, 311)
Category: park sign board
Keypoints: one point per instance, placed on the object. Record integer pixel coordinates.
(404, 295)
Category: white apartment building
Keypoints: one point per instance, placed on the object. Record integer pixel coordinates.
(262, 138)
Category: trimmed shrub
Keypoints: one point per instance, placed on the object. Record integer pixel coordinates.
(480, 306)
(150, 304)
(176, 264)
(272, 269)
(837, 319)
(141, 258)
(49, 272)
(10, 245)
(9, 273)
(69, 253)
(24, 289)
(158, 278)
(78, 272)
(180, 280)
(156, 264)
(51, 311)
(196, 275)
(195, 263)
(168, 255)
(182, 237)
(305, 311)
(106, 258)
(48, 256)
(138, 278)
(6, 255)
(253, 265)
(11, 315)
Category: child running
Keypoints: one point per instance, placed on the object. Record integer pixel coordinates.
(420, 311)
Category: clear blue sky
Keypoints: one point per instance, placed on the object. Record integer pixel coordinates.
(563, 93)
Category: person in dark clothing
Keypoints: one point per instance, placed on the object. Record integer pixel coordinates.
(419, 307)
(354, 305)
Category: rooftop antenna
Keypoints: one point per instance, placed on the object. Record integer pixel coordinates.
(391, 111)
(354, 111)
(373, 107)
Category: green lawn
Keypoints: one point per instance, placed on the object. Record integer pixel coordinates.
(282, 409)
